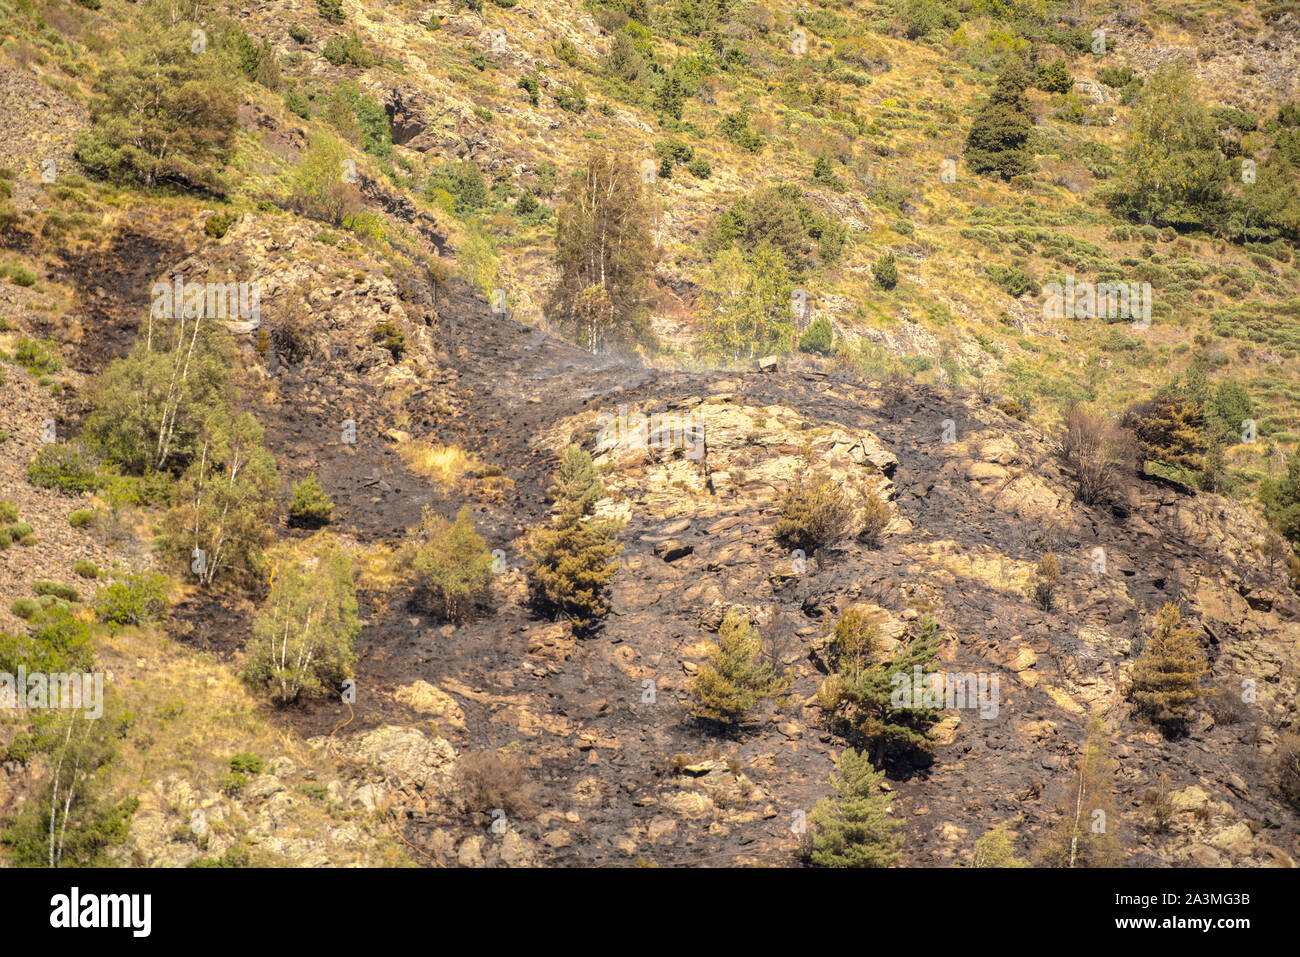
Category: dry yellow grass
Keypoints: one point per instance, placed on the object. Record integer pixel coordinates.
(443, 464)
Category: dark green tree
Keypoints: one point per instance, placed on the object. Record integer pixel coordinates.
(998, 142)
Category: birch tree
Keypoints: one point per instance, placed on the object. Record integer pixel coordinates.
(304, 634)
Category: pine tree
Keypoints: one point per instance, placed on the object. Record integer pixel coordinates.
(572, 561)
(853, 828)
(577, 484)
(998, 141)
(887, 724)
(1167, 675)
(1084, 835)
(996, 849)
(736, 679)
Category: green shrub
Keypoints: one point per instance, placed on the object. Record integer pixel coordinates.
(37, 357)
(349, 49)
(572, 99)
(296, 102)
(8, 512)
(58, 590)
(21, 276)
(299, 34)
(331, 10)
(218, 224)
(64, 468)
(162, 115)
(572, 561)
(817, 338)
(56, 641)
(25, 608)
(86, 568)
(885, 272)
(310, 507)
(814, 513)
(389, 335)
(246, 763)
(82, 517)
(133, 600)
(1054, 77)
(851, 826)
(304, 633)
(464, 182)
(699, 168)
(452, 561)
(19, 531)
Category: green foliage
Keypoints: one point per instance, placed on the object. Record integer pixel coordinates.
(817, 338)
(218, 224)
(37, 357)
(57, 641)
(604, 253)
(814, 513)
(1012, 279)
(309, 506)
(1054, 77)
(296, 102)
(1169, 427)
(781, 218)
(996, 849)
(998, 142)
(246, 763)
(852, 826)
(464, 182)
(331, 11)
(885, 272)
(452, 561)
(572, 99)
(86, 568)
(1167, 675)
(223, 503)
(530, 86)
(578, 485)
(745, 305)
(135, 599)
(70, 820)
(700, 168)
(162, 115)
(1173, 173)
(735, 127)
(572, 561)
(736, 678)
(873, 702)
(360, 119)
(64, 468)
(58, 590)
(347, 49)
(304, 633)
(319, 188)
(24, 608)
(1281, 500)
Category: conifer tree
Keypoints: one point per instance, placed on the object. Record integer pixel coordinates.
(880, 707)
(736, 679)
(852, 826)
(998, 142)
(1167, 675)
(572, 561)
(996, 849)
